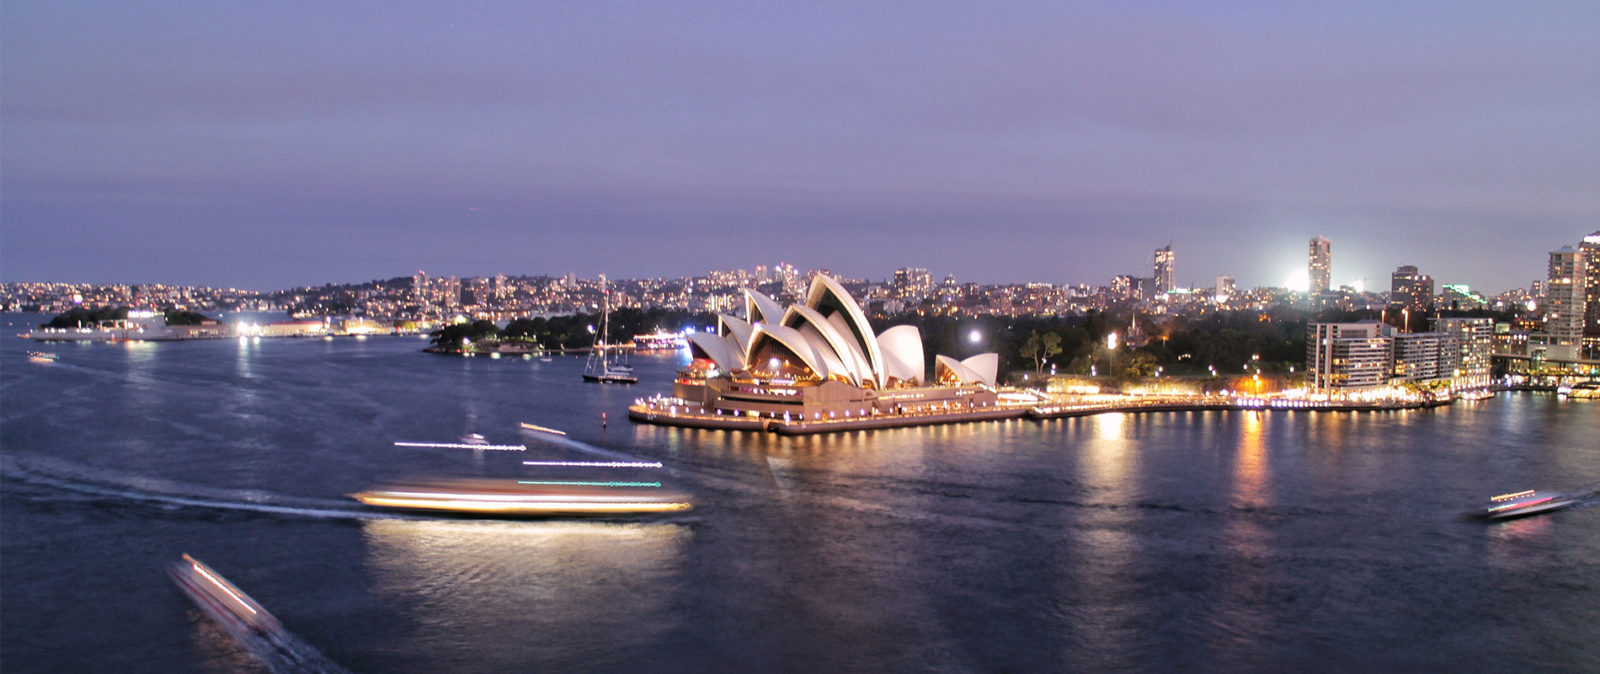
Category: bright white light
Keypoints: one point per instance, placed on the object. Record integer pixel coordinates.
(1299, 281)
(1360, 285)
(975, 336)
(1111, 341)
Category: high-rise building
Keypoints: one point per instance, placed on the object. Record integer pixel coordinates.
(1411, 290)
(1164, 260)
(912, 283)
(1590, 248)
(1319, 264)
(1563, 306)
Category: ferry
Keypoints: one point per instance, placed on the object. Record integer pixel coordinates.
(1523, 503)
(42, 357)
(1584, 391)
(525, 498)
(660, 341)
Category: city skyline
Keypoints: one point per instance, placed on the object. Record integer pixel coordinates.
(273, 147)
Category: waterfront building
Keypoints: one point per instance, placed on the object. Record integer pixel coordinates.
(1349, 357)
(1474, 340)
(1424, 357)
(820, 360)
(1319, 264)
(1163, 269)
(1563, 307)
(1355, 357)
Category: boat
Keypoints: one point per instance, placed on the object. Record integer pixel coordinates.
(525, 498)
(42, 357)
(234, 610)
(1523, 503)
(248, 622)
(473, 439)
(599, 368)
(660, 341)
(1584, 391)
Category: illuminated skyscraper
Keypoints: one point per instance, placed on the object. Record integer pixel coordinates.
(1164, 260)
(1590, 250)
(1319, 264)
(1564, 299)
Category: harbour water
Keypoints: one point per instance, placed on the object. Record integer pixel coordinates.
(1218, 541)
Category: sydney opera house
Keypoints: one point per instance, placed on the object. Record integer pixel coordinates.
(818, 365)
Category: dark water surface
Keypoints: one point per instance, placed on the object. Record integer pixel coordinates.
(1260, 541)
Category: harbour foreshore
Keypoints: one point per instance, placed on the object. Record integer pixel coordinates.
(664, 412)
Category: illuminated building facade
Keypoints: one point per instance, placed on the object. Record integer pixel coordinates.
(820, 360)
(1410, 290)
(1163, 269)
(1353, 357)
(1343, 357)
(1564, 307)
(1319, 264)
(1590, 250)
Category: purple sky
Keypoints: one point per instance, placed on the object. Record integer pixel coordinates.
(272, 144)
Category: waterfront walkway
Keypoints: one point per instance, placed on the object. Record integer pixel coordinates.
(666, 412)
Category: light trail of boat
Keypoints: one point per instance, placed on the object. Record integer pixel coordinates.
(590, 483)
(247, 621)
(594, 464)
(565, 441)
(463, 445)
(542, 429)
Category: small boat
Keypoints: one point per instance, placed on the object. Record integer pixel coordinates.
(473, 439)
(42, 357)
(1523, 503)
(240, 615)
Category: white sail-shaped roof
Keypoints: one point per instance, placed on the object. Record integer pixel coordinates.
(986, 366)
(827, 296)
(825, 353)
(718, 348)
(737, 332)
(793, 341)
(902, 353)
(834, 341)
(759, 308)
(979, 369)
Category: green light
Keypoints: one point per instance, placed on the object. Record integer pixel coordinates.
(585, 483)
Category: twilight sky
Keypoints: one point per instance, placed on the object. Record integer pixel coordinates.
(266, 145)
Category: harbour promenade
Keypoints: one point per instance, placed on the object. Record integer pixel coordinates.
(670, 412)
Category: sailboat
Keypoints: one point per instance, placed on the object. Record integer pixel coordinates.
(600, 368)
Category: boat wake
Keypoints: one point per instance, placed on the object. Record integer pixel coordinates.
(62, 475)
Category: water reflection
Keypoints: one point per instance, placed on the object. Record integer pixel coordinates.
(508, 594)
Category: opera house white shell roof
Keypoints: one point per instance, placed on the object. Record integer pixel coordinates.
(828, 337)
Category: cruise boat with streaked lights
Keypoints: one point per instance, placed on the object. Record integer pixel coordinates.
(228, 605)
(526, 498)
(1523, 503)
